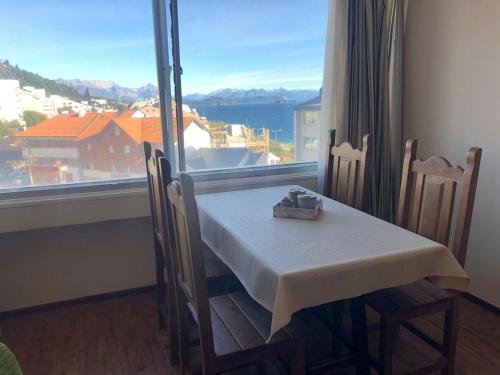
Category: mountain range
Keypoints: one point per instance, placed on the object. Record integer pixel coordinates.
(251, 96)
(111, 90)
(114, 91)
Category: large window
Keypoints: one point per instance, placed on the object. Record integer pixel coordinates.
(77, 91)
(249, 68)
(239, 86)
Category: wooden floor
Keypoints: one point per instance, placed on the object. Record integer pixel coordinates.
(120, 336)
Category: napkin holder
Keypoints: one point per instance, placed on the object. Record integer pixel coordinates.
(298, 213)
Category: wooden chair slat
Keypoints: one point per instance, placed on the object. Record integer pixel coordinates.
(238, 325)
(258, 316)
(224, 342)
(439, 167)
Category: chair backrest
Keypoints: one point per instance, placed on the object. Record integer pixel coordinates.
(428, 194)
(153, 184)
(349, 172)
(160, 212)
(187, 252)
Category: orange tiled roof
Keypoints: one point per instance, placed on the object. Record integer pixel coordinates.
(92, 123)
(149, 110)
(149, 128)
(69, 126)
(127, 113)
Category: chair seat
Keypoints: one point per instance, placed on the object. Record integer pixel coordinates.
(391, 301)
(239, 323)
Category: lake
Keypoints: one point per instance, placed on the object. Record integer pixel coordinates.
(270, 116)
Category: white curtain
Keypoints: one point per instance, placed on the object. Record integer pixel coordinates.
(334, 93)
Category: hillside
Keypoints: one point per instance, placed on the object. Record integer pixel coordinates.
(26, 78)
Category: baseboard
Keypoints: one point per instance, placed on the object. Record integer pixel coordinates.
(76, 301)
(151, 288)
(481, 302)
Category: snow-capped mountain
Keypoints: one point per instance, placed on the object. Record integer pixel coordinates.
(282, 94)
(111, 90)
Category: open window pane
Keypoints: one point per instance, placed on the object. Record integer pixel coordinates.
(252, 74)
(77, 93)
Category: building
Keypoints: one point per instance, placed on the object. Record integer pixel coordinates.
(93, 146)
(33, 99)
(51, 149)
(112, 148)
(64, 104)
(306, 118)
(10, 100)
(150, 111)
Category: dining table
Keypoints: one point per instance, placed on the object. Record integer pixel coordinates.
(287, 264)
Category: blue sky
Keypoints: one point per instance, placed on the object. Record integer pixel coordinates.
(224, 43)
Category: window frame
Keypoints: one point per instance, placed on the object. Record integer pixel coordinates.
(215, 177)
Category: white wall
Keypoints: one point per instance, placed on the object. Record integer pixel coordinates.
(196, 137)
(57, 264)
(54, 264)
(452, 102)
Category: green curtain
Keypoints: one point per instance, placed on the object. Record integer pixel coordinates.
(374, 92)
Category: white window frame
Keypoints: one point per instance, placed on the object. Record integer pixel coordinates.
(126, 149)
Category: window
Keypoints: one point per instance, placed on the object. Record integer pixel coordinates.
(127, 169)
(95, 66)
(310, 143)
(112, 168)
(311, 118)
(247, 75)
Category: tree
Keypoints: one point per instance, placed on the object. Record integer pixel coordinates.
(86, 95)
(32, 118)
(8, 129)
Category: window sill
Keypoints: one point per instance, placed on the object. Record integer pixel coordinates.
(46, 207)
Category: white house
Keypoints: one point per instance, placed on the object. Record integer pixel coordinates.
(60, 102)
(33, 99)
(195, 134)
(306, 130)
(10, 100)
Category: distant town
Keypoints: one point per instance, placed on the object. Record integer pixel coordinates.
(49, 138)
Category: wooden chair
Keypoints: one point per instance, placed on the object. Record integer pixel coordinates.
(427, 199)
(349, 172)
(153, 183)
(232, 327)
(219, 277)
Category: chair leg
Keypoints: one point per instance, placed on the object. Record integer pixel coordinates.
(388, 334)
(360, 336)
(450, 336)
(160, 285)
(184, 331)
(298, 361)
(173, 329)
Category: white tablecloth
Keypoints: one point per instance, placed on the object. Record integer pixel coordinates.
(290, 264)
